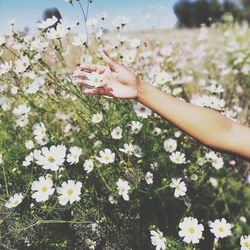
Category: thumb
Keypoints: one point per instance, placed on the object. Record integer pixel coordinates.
(106, 58)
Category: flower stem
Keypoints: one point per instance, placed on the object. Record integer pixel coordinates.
(5, 180)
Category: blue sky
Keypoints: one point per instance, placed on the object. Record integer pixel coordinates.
(28, 12)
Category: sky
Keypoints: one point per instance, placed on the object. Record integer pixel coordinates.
(143, 14)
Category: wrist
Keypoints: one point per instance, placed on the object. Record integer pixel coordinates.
(141, 90)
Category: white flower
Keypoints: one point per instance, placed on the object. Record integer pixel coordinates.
(123, 188)
(28, 159)
(79, 40)
(137, 151)
(51, 158)
(245, 242)
(156, 131)
(158, 240)
(96, 118)
(170, 145)
(29, 144)
(120, 22)
(191, 230)
(128, 149)
(217, 162)
(74, 155)
(91, 244)
(178, 157)
(47, 23)
(95, 79)
(21, 115)
(59, 32)
(14, 200)
(135, 127)
(116, 133)
(43, 189)
(220, 228)
(88, 165)
(180, 187)
(112, 200)
(69, 192)
(106, 156)
(141, 110)
(213, 181)
(22, 64)
(40, 133)
(149, 178)
(163, 77)
(1, 159)
(92, 22)
(5, 67)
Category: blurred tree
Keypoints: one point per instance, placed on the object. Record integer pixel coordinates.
(193, 13)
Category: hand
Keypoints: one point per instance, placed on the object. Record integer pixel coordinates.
(118, 82)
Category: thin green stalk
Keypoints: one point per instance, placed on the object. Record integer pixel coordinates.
(5, 180)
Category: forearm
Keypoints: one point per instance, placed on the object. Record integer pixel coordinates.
(205, 125)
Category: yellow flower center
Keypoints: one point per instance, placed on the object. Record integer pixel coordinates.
(58, 35)
(106, 157)
(221, 229)
(16, 202)
(191, 230)
(70, 191)
(177, 187)
(44, 189)
(246, 244)
(42, 131)
(51, 159)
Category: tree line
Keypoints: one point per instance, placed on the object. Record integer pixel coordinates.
(193, 13)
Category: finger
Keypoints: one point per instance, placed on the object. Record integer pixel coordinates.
(78, 73)
(106, 58)
(82, 82)
(92, 67)
(99, 91)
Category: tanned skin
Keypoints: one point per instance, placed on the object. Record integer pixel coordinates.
(207, 126)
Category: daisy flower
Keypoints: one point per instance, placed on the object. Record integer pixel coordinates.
(96, 118)
(141, 110)
(149, 178)
(59, 32)
(74, 155)
(245, 242)
(22, 64)
(95, 79)
(88, 165)
(43, 189)
(116, 133)
(51, 158)
(69, 192)
(14, 200)
(128, 149)
(191, 230)
(47, 23)
(178, 157)
(80, 39)
(123, 188)
(135, 127)
(158, 240)
(180, 187)
(106, 156)
(170, 145)
(220, 228)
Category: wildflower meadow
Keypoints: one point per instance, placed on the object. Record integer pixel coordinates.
(94, 172)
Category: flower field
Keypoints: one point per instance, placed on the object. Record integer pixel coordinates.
(88, 172)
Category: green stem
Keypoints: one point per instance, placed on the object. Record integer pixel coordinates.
(5, 179)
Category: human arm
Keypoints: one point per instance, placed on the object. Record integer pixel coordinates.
(205, 125)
